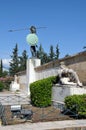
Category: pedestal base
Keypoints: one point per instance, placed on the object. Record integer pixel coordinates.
(31, 73)
(14, 86)
(59, 92)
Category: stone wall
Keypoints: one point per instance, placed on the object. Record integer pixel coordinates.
(76, 62)
(22, 80)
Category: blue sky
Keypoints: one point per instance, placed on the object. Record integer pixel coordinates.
(65, 21)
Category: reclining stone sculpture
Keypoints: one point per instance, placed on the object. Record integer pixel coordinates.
(68, 76)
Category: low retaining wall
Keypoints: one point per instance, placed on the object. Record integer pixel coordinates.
(71, 128)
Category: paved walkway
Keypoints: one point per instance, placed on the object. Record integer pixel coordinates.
(12, 98)
(47, 125)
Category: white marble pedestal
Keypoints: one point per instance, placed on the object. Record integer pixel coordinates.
(14, 86)
(59, 92)
(31, 73)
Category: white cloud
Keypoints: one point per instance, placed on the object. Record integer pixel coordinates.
(6, 63)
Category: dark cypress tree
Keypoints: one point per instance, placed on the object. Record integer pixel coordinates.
(14, 64)
(84, 47)
(45, 58)
(57, 52)
(40, 53)
(1, 68)
(23, 60)
(51, 54)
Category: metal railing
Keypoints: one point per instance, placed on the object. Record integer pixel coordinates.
(2, 115)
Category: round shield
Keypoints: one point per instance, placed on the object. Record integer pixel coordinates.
(32, 39)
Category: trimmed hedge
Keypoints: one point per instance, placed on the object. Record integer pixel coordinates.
(41, 92)
(77, 103)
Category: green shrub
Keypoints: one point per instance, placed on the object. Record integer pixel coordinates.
(77, 103)
(41, 92)
(7, 85)
(1, 86)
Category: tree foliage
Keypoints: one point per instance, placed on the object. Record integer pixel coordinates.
(14, 68)
(18, 63)
(23, 60)
(1, 68)
(51, 54)
(40, 53)
(3, 73)
(57, 52)
(47, 57)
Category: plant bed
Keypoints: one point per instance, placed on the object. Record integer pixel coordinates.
(39, 115)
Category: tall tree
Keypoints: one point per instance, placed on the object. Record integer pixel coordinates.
(51, 54)
(57, 52)
(14, 64)
(23, 60)
(84, 47)
(1, 68)
(40, 53)
(45, 58)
